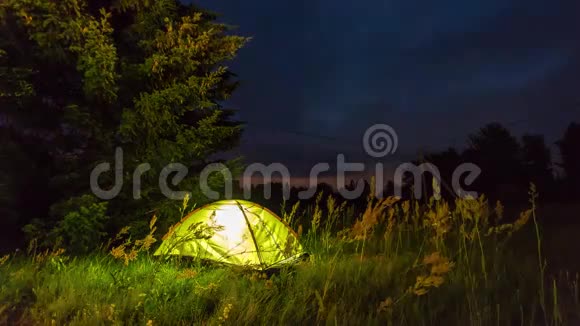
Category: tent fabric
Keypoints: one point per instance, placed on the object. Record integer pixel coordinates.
(236, 232)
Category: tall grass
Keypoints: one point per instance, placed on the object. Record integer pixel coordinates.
(395, 263)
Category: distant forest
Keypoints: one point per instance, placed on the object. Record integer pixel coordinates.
(508, 167)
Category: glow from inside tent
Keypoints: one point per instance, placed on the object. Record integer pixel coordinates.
(234, 225)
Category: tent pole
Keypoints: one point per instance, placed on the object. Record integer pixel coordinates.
(252, 233)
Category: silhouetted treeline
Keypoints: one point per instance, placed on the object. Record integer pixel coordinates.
(508, 166)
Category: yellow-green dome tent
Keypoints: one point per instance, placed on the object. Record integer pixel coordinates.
(236, 232)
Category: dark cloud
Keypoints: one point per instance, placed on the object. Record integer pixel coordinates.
(318, 73)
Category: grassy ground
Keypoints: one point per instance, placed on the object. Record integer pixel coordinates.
(398, 264)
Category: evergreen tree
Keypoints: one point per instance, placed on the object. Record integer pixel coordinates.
(83, 77)
(499, 155)
(569, 147)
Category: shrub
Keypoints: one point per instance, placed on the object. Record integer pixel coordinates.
(79, 227)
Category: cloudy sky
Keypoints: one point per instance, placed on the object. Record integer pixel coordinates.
(318, 73)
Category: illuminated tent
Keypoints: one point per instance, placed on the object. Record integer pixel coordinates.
(236, 232)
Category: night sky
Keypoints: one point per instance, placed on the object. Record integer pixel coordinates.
(317, 73)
